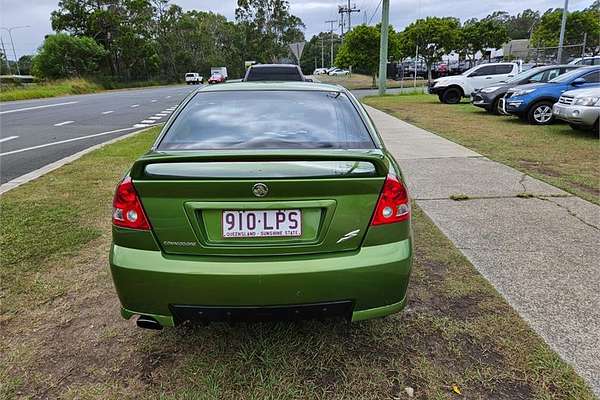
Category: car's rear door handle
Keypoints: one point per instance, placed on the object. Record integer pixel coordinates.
(488, 77)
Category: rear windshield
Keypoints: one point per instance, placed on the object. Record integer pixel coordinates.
(274, 74)
(189, 75)
(267, 120)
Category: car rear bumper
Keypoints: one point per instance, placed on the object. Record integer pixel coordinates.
(372, 280)
(576, 114)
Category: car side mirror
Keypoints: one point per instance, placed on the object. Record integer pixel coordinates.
(578, 81)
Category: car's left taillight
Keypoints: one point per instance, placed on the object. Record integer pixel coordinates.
(127, 208)
(393, 204)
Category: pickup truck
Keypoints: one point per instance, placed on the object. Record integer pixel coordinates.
(450, 89)
(193, 78)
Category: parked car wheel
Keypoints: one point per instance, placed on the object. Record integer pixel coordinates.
(452, 96)
(496, 107)
(540, 113)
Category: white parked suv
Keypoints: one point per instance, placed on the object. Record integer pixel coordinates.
(450, 89)
(193, 78)
(580, 108)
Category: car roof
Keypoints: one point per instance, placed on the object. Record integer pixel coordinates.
(273, 85)
(274, 66)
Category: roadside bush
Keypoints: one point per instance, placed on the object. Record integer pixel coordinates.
(63, 56)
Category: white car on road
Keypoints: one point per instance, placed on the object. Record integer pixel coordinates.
(193, 78)
(450, 89)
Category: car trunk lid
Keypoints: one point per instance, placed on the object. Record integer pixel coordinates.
(207, 203)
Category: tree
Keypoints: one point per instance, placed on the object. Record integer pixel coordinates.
(25, 64)
(63, 55)
(360, 49)
(477, 36)
(579, 23)
(312, 51)
(434, 36)
(268, 28)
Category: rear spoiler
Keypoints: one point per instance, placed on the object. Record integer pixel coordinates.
(375, 156)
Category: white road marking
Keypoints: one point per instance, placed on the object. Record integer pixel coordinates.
(6, 139)
(66, 141)
(107, 112)
(64, 123)
(155, 118)
(162, 114)
(168, 97)
(154, 100)
(141, 125)
(148, 121)
(38, 107)
(135, 105)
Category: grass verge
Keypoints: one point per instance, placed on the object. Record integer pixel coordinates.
(61, 335)
(64, 88)
(554, 153)
(360, 81)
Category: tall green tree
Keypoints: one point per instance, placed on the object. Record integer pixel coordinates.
(268, 28)
(317, 45)
(63, 56)
(477, 36)
(360, 49)
(434, 36)
(579, 23)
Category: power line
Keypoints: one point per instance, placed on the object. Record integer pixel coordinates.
(375, 12)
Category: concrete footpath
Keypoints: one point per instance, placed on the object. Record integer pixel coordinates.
(541, 253)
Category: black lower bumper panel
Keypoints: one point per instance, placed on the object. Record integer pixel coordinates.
(204, 314)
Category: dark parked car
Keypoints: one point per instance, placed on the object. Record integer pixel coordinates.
(274, 72)
(489, 97)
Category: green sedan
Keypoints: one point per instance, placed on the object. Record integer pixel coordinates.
(262, 201)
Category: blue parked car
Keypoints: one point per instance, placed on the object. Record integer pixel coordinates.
(533, 102)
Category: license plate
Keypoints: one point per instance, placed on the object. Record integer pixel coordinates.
(261, 223)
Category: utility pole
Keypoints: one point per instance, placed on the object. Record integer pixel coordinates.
(331, 22)
(383, 45)
(5, 55)
(561, 39)
(342, 24)
(584, 43)
(347, 9)
(322, 54)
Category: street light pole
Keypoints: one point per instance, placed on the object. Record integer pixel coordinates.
(561, 38)
(383, 45)
(9, 30)
(5, 55)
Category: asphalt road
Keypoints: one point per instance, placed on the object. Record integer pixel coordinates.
(35, 133)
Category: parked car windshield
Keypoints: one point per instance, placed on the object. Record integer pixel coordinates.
(524, 75)
(566, 77)
(274, 119)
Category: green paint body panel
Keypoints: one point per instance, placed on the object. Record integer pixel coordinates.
(374, 277)
(184, 260)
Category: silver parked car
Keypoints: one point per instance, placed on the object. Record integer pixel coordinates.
(580, 108)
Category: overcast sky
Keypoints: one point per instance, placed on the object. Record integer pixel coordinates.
(36, 13)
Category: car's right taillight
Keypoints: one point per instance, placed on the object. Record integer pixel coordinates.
(127, 208)
(393, 204)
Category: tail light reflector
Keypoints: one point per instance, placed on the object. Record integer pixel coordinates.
(393, 204)
(127, 208)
